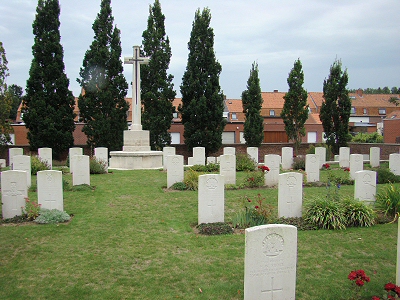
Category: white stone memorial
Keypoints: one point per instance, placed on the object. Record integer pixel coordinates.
(290, 195)
(175, 170)
(166, 152)
(14, 190)
(50, 189)
(229, 150)
(23, 163)
(227, 168)
(344, 157)
(101, 155)
(356, 164)
(365, 186)
(287, 158)
(374, 156)
(394, 163)
(312, 167)
(199, 156)
(190, 161)
(321, 152)
(72, 152)
(211, 198)
(211, 160)
(2, 163)
(270, 262)
(46, 156)
(12, 152)
(253, 153)
(273, 162)
(81, 174)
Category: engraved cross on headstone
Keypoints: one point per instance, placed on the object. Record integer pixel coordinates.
(14, 193)
(272, 291)
(136, 61)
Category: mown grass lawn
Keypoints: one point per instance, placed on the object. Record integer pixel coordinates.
(131, 239)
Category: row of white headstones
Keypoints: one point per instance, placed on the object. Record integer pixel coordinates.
(16, 182)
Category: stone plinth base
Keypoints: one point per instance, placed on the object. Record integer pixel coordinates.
(125, 160)
(136, 140)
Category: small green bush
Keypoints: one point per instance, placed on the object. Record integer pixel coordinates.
(180, 186)
(386, 176)
(214, 228)
(299, 163)
(253, 213)
(373, 137)
(325, 214)
(38, 165)
(205, 169)
(244, 162)
(97, 166)
(388, 200)
(52, 216)
(191, 179)
(300, 223)
(253, 179)
(358, 214)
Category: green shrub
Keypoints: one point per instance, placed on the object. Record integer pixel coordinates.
(299, 163)
(31, 209)
(386, 176)
(373, 137)
(38, 165)
(191, 179)
(358, 214)
(180, 186)
(388, 200)
(253, 179)
(253, 213)
(244, 162)
(214, 228)
(311, 149)
(52, 216)
(97, 166)
(324, 213)
(340, 179)
(207, 168)
(300, 223)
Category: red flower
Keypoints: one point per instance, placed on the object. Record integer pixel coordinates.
(375, 298)
(359, 282)
(390, 286)
(352, 275)
(248, 200)
(346, 169)
(390, 297)
(257, 207)
(397, 290)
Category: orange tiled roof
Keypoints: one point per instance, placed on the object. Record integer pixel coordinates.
(371, 100)
(234, 105)
(273, 100)
(394, 115)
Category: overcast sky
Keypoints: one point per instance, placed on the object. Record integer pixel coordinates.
(364, 35)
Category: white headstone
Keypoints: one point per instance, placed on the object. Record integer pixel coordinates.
(166, 152)
(344, 157)
(312, 167)
(81, 166)
(356, 164)
(13, 193)
(394, 163)
(290, 195)
(46, 156)
(365, 186)
(190, 161)
(199, 156)
(227, 168)
(287, 158)
(229, 150)
(273, 162)
(175, 171)
(374, 156)
(270, 262)
(321, 152)
(72, 152)
(365, 157)
(12, 152)
(211, 198)
(50, 189)
(101, 155)
(253, 153)
(23, 163)
(336, 157)
(211, 160)
(2, 163)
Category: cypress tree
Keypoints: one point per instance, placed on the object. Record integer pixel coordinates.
(102, 103)
(336, 107)
(5, 102)
(202, 100)
(49, 104)
(15, 92)
(252, 103)
(295, 108)
(157, 87)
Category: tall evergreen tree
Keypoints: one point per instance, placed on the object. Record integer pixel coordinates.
(49, 104)
(202, 100)
(295, 108)
(15, 92)
(335, 108)
(252, 103)
(157, 87)
(102, 103)
(5, 101)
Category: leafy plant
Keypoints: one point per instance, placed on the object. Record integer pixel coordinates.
(180, 186)
(299, 163)
(325, 213)
(253, 214)
(373, 137)
(31, 209)
(253, 179)
(214, 228)
(52, 216)
(358, 214)
(191, 179)
(206, 168)
(244, 162)
(389, 200)
(38, 165)
(384, 175)
(97, 166)
(300, 223)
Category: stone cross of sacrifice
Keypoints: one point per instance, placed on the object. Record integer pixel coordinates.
(136, 61)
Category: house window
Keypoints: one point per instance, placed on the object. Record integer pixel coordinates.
(175, 115)
(365, 111)
(234, 116)
(382, 111)
(272, 112)
(353, 110)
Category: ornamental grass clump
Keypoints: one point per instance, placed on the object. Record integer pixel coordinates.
(358, 214)
(253, 213)
(325, 214)
(388, 200)
(53, 216)
(191, 179)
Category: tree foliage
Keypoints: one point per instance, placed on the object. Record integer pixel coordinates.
(102, 103)
(295, 108)
(335, 108)
(156, 86)
(5, 101)
(15, 92)
(49, 104)
(202, 100)
(252, 103)
(379, 90)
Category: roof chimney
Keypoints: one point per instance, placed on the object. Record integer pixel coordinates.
(360, 92)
